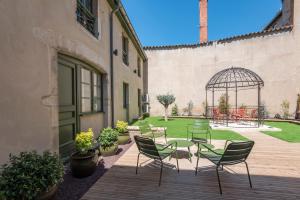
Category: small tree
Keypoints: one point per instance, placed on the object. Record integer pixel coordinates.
(223, 107)
(190, 107)
(175, 110)
(166, 100)
(285, 106)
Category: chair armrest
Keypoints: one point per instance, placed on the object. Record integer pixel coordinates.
(170, 145)
(208, 148)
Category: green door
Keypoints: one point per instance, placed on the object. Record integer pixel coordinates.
(67, 107)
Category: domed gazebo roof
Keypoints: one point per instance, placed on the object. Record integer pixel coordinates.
(234, 77)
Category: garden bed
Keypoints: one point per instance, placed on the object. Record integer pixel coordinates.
(74, 188)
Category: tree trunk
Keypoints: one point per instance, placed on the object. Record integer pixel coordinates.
(166, 114)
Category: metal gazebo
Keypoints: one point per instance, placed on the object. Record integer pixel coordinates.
(235, 78)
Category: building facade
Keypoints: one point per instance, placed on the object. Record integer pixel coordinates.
(273, 54)
(66, 66)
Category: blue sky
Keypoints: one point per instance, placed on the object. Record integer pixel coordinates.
(169, 22)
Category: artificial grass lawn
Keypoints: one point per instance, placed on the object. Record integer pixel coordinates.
(289, 132)
(177, 128)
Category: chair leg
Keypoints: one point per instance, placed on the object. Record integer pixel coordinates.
(196, 172)
(161, 169)
(190, 155)
(177, 161)
(137, 163)
(248, 174)
(219, 180)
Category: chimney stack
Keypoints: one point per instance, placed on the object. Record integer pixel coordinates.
(203, 20)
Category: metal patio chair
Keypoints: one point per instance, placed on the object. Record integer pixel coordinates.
(234, 153)
(148, 148)
(148, 130)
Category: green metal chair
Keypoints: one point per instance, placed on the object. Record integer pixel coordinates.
(147, 130)
(148, 148)
(234, 153)
(201, 133)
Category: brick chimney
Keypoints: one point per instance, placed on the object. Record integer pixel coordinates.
(203, 20)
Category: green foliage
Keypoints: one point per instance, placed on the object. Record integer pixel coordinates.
(166, 100)
(121, 126)
(84, 141)
(28, 174)
(108, 137)
(190, 107)
(285, 106)
(223, 107)
(146, 115)
(175, 110)
(243, 106)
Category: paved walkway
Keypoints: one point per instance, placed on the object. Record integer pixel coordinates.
(274, 166)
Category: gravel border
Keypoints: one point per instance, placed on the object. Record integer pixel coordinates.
(74, 188)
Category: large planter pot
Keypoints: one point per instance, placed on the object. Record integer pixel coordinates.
(109, 151)
(83, 165)
(124, 138)
(50, 194)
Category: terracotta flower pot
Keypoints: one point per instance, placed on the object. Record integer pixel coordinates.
(47, 195)
(109, 151)
(83, 165)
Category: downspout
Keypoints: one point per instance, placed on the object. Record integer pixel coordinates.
(111, 52)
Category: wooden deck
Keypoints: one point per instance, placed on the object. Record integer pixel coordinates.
(274, 167)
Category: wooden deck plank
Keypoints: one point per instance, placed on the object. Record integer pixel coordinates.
(274, 167)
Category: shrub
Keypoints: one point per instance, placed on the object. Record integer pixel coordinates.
(277, 116)
(121, 126)
(285, 106)
(223, 107)
(166, 100)
(29, 174)
(175, 110)
(84, 141)
(108, 137)
(190, 107)
(145, 115)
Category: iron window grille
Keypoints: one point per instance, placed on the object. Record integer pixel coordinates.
(125, 50)
(86, 17)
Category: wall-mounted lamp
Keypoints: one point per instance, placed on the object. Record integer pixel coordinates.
(115, 52)
(134, 71)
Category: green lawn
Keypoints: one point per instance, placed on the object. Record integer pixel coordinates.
(290, 132)
(176, 128)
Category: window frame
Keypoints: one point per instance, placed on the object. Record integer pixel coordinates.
(125, 95)
(139, 67)
(125, 50)
(84, 13)
(92, 85)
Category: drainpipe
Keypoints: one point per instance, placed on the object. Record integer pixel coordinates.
(111, 17)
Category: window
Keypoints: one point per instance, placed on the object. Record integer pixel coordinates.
(87, 15)
(125, 50)
(139, 98)
(125, 95)
(91, 91)
(139, 66)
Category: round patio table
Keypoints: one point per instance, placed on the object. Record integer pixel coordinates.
(183, 144)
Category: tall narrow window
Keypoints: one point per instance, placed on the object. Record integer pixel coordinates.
(97, 92)
(125, 95)
(125, 49)
(86, 90)
(91, 91)
(87, 15)
(139, 66)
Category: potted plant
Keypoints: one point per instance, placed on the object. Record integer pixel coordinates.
(122, 128)
(84, 160)
(108, 141)
(31, 176)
